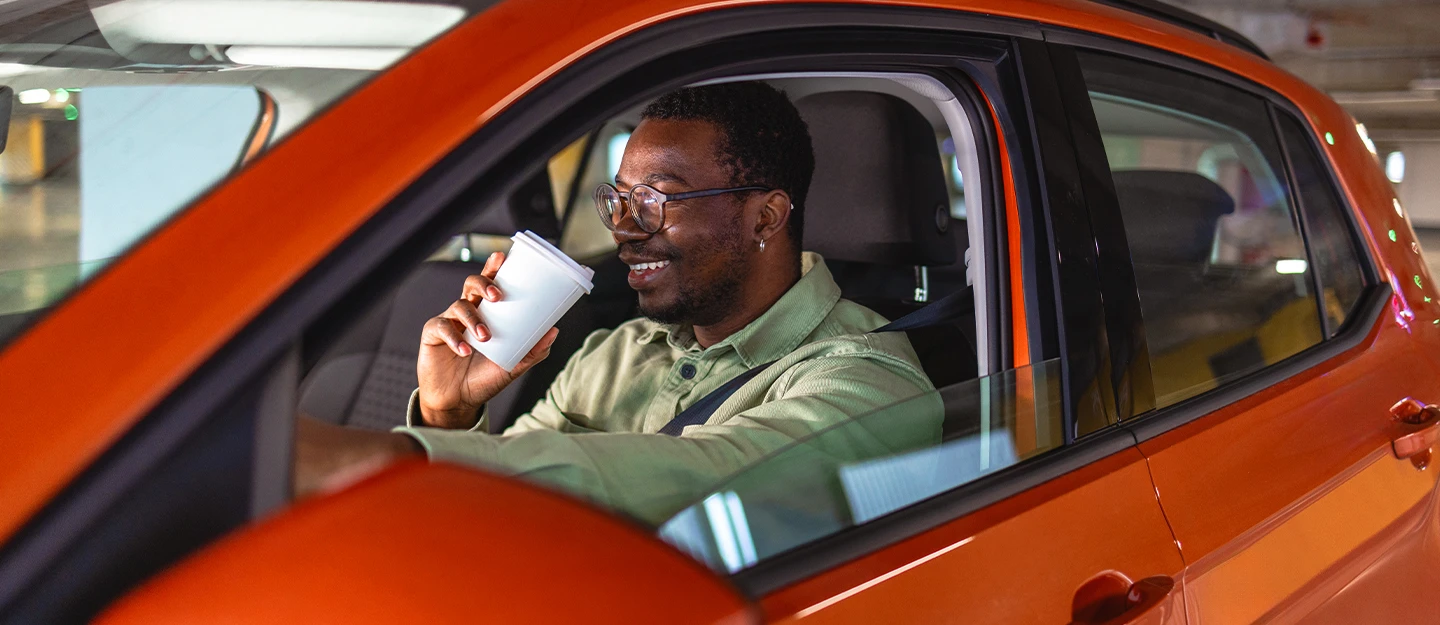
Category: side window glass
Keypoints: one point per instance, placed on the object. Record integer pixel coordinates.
(1332, 240)
(873, 465)
(1219, 260)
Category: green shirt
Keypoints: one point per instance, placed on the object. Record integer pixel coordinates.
(595, 433)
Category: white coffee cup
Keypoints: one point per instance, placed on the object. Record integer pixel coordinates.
(538, 284)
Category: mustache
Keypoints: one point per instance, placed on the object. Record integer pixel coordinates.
(648, 249)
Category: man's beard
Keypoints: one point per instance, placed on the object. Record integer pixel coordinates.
(705, 302)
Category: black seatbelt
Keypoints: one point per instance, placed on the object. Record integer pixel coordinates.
(944, 310)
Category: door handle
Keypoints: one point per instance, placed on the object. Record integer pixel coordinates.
(1421, 429)
(1110, 598)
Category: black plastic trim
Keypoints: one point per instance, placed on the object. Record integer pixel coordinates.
(1129, 355)
(1172, 14)
(1066, 224)
(1300, 216)
(857, 541)
(402, 234)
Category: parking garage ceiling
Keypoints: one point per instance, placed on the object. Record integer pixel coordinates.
(1378, 58)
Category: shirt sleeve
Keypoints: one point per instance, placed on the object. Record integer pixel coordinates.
(652, 476)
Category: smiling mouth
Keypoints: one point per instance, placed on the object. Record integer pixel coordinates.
(644, 267)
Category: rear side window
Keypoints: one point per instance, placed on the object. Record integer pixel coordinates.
(1220, 264)
(1332, 244)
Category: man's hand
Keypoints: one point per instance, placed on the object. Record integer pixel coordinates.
(455, 380)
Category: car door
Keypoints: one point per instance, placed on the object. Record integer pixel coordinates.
(1033, 507)
(1276, 428)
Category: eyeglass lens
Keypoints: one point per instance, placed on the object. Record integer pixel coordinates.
(648, 210)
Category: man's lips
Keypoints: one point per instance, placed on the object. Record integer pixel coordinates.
(642, 273)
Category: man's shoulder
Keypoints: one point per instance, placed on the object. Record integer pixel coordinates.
(848, 332)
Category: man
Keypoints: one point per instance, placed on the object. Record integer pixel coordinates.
(707, 210)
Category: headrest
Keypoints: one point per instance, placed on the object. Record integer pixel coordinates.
(878, 195)
(1170, 216)
(529, 207)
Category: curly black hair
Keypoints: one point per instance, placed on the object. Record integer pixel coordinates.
(763, 138)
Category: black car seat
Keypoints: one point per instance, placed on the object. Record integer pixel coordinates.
(365, 378)
(878, 211)
(1171, 218)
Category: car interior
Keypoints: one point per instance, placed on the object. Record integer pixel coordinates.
(896, 237)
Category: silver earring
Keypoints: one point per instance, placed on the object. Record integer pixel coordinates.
(762, 245)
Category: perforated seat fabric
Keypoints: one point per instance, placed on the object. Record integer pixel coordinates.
(368, 379)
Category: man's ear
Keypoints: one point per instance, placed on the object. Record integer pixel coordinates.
(774, 214)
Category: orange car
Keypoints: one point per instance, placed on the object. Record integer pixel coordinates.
(1195, 388)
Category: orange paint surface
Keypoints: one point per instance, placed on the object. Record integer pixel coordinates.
(421, 543)
(1002, 564)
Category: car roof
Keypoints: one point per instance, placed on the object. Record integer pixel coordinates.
(235, 262)
(1185, 19)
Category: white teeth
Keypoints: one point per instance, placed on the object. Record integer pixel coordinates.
(648, 266)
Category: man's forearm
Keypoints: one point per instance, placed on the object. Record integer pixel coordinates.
(329, 456)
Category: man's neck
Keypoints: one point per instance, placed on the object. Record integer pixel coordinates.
(755, 302)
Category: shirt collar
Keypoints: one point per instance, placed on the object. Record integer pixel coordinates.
(778, 331)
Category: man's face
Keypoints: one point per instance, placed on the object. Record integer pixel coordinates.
(704, 240)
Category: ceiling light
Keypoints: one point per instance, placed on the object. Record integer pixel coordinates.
(1383, 97)
(34, 96)
(329, 58)
(1290, 266)
(15, 69)
(1395, 167)
(1425, 84)
(339, 23)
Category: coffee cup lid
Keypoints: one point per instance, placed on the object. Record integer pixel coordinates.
(580, 273)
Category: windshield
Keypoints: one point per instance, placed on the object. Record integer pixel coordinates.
(873, 465)
(116, 114)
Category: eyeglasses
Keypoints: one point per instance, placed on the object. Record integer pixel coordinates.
(647, 205)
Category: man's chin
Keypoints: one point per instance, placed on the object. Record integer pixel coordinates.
(661, 311)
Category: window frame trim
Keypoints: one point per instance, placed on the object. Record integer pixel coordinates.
(1360, 328)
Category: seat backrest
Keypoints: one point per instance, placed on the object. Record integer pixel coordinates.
(1171, 220)
(1171, 216)
(878, 173)
(878, 208)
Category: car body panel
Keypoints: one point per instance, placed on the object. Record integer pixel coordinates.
(1005, 563)
(417, 544)
(224, 261)
(1270, 493)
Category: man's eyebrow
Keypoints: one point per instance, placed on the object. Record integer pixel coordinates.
(664, 177)
(653, 178)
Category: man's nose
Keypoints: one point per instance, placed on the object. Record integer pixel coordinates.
(627, 230)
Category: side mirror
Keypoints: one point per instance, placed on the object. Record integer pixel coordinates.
(433, 543)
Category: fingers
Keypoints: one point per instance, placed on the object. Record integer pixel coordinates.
(540, 352)
(478, 287)
(492, 265)
(446, 331)
(469, 317)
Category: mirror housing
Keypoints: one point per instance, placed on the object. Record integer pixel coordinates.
(418, 543)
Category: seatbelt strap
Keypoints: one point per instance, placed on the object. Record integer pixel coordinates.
(944, 310)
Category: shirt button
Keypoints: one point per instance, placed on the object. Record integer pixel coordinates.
(687, 371)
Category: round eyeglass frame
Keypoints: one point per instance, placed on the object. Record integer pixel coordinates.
(606, 194)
